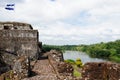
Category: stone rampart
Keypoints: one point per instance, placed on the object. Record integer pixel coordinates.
(20, 42)
(17, 40)
(15, 26)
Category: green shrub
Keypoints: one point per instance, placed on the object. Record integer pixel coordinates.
(115, 58)
(78, 62)
(70, 61)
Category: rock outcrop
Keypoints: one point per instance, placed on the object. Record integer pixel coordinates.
(20, 70)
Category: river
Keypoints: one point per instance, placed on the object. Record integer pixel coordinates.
(83, 56)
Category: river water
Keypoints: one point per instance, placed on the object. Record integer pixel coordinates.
(83, 56)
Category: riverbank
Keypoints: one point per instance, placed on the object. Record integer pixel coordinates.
(82, 55)
(109, 50)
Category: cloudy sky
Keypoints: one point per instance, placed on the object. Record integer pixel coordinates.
(67, 21)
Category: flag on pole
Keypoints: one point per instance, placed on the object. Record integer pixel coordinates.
(10, 7)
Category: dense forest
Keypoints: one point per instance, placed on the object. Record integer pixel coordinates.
(109, 50)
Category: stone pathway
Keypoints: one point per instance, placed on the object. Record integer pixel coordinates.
(44, 70)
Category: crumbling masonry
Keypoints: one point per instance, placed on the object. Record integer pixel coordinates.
(17, 40)
(101, 71)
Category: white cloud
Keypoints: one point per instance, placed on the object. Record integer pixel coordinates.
(91, 34)
(69, 21)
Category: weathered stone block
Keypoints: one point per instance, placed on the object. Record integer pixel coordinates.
(101, 71)
(55, 56)
(65, 69)
(22, 67)
(113, 71)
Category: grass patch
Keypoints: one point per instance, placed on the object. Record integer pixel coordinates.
(76, 73)
(77, 65)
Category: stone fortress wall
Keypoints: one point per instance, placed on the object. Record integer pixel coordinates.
(17, 40)
(15, 26)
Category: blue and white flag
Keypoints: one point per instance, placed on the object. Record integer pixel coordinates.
(10, 7)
